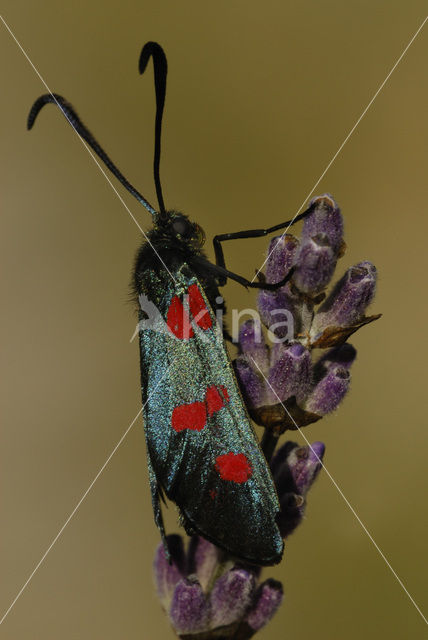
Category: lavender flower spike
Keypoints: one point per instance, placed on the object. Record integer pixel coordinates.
(211, 597)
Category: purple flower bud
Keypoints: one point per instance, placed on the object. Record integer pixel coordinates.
(167, 575)
(329, 392)
(203, 557)
(315, 263)
(268, 599)
(189, 610)
(349, 299)
(294, 469)
(278, 312)
(290, 374)
(252, 386)
(325, 218)
(305, 464)
(279, 461)
(231, 596)
(291, 514)
(252, 343)
(281, 253)
(343, 355)
(290, 501)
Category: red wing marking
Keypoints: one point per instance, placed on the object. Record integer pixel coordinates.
(178, 320)
(224, 392)
(194, 415)
(215, 401)
(213, 494)
(189, 416)
(234, 467)
(198, 308)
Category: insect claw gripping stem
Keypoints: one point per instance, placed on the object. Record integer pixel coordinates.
(222, 274)
(252, 233)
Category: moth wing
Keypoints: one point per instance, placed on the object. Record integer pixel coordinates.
(200, 440)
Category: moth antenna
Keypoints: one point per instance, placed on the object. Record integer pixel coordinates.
(84, 132)
(160, 67)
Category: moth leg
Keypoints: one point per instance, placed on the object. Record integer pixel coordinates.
(221, 273)
(157, 511)
(250, 233)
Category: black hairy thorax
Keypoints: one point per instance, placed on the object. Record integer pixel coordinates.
(174, 240)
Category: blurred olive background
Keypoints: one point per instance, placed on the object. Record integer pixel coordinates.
(260, 97)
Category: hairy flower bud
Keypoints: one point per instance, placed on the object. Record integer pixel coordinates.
(231, 596)
(329, 392)
(315, 263)
(349, 299)
(268, 599)
(326, 219)
(305, 463)
(291, 513)
(278, 312)
(167, 574)
(202, 559)
(294, 469)
(252, 344)
(189, 610)
(290, 373)
(342, 355)
(252, 385)
(281, 254)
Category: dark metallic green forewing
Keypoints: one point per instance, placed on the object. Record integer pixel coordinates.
(211, 467)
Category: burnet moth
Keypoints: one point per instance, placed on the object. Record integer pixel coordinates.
(202, 451)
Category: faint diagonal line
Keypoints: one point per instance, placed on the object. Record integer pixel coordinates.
(381, 86)
(58, 535)
(68, 520)
(94, 158)
(355, 514)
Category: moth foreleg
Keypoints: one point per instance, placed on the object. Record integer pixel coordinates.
(250, 233)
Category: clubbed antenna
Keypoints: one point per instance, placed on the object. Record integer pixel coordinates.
(160, 66)
(84, 132)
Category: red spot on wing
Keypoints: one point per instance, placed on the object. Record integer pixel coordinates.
(234, 467)
(198, 308)
(189, 416)
(178, 321)
(215, 398)
(224, 392)
(213, 494)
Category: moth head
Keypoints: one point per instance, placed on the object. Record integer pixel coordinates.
(179, 227)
